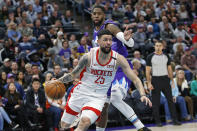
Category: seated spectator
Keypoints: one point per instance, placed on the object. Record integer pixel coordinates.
(28, 72)
(8, 51)
(117, 14)
(25, 47)
(35, 103)
(21, 80)
(11, 19)
(48, 77)
(179, 53)
(13, 33)
(183, 89)
(183, 13)
(68, 20)
(156, 28)
(36, 6)
(179, 31)
(4, 115)
(179, 41)
(194, 50)
(19, 89)
(188, 62)
(178, 100)
(163, 22)
(194, 29)
(6, 66)
(3, 80)
(57, 43)
(14, 68)
(136, 68)
(73, 42)
(25, 30)
(139, 38)
(57, 71)
(37, 30)
(193, 93)
(14, 105)
(65, 53)
(36, 71)
(54, 59)
(31, 14)
(83, 48)
(56, 108)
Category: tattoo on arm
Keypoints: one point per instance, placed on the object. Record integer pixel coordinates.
(70, 76)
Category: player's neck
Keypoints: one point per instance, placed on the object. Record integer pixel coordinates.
(103, 56)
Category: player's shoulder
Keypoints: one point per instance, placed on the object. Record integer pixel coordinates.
(150, 55)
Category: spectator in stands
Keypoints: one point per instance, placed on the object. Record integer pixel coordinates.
(3, 15)
(36, 6)
(108, 10)
(136, 68)
(179, 31)
(83, 48)
(178, 54)
(117, 14)
(164, 23)
(14, 105)
(3, 81)
(57, 71)
(25, 30)
(55, 107)
(174, 22)
(194, 50)
(156, 28)
(37, 30)
(188, 62)
(193, 93)
(6, 66)
(14, 68)
(54, 59)
(129, 13)
(48, 77)
(178, 100)
(179, 41)
(13, 33)
(11, 79)
(68, 20)
(57, 43)
(36, 71)
(139, 38)
(9, 50)
(73, 42)
(183, 13)
(31, 14)
(10, 19)
(21, 80)
(137, 56)
(139, 10)
(194, 29)
(65, 54)
(168, 36)
(25, 47)
(35, 102)
(54, 17)
(183, 88)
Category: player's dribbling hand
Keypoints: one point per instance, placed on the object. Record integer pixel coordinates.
(146, 100)
(127, 33)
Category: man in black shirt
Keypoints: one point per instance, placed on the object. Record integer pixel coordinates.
(158, 64)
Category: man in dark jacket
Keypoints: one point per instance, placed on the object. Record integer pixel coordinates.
(35, 102)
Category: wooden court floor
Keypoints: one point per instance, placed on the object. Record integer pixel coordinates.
(184, 127)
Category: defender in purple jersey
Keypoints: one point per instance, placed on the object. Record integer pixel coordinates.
(121, 83)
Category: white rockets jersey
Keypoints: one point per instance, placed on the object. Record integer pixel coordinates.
(98, 77)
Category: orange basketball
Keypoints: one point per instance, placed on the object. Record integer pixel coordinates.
(55, 89)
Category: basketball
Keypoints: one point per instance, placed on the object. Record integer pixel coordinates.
(55, 89)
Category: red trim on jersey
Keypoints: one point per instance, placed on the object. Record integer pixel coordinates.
(68, 109)
(96, 111)
(82, 73)
(97, 52)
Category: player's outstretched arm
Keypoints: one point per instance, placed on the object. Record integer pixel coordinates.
(125, 38)
(122, 62)
(83, 62)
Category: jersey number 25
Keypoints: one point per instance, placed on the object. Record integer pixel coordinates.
(100, 80)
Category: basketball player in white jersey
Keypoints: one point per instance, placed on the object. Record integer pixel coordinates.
(96, 69)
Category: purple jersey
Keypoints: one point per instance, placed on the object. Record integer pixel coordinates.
(117, 46)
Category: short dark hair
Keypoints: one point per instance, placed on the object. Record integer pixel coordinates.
(104, 32)
(35, 80)
(100, 7)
